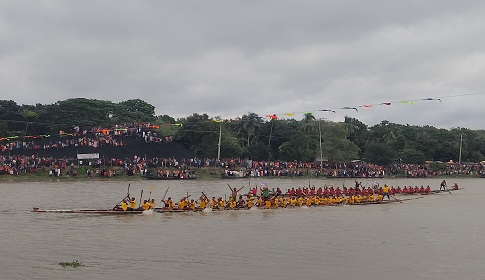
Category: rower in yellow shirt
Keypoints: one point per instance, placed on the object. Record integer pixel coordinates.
(232, 203)
(338, 200)
(192, 205)
(181, 204)
(124, 205)
(283, 202)
(250, 202)
(132, 205)
(220, 203)
(213, 203)
(309, 201)
(345, 199)
(170, 203)
(203, 203)
(267, 203)
(145, 205)
(300, 201)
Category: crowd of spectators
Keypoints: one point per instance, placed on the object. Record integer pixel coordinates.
(137, 165)
(95, 137)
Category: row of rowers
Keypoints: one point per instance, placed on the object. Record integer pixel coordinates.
(270, 202)
(331, 191)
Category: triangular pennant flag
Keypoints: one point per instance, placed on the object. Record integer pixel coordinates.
(351, 108)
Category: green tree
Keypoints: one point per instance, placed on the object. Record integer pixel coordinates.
(82, 112)
(133, 110)
(297, 148)
(336, 146)
(380, 153)
(409, 155)
(247, 127)
(308, 122)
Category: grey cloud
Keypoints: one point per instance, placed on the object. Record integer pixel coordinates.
(229, 58)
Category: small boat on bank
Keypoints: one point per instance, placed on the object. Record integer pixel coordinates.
(353, 177)
(232, 174)
(156, 177)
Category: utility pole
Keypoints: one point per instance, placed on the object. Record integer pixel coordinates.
(461, 143)
(321, 150)
(219, 144)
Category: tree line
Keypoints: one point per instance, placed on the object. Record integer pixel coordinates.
(251, 136)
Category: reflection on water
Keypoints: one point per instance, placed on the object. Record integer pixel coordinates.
(347, 242)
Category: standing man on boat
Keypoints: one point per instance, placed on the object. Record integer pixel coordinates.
(375, 186)
(234, 191)
(443, 185)
(385, 192)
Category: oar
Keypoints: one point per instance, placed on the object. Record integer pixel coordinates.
(208, 201)
(396, 199)
(127, 195)
(141, 196)
(150, 195)
(447, 189)
(163, 198)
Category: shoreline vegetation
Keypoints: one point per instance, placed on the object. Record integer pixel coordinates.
(203, 173)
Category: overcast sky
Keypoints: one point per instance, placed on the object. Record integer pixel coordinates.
(227, 58)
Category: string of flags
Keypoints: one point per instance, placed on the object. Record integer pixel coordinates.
(355, 108)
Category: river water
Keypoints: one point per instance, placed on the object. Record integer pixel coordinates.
(435, 237)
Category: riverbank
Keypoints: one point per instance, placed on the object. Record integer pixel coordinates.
(203, 173)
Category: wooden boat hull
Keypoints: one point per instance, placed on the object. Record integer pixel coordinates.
(88, 211)
(164, 210)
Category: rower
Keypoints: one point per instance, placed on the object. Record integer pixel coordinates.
(220, 203)
(250, 202)
(455, 186)
(145, 205)
(168, 203)
(203, 202)
(192, 205)
(241, 203)
(153, 204)
(124, 205)
(213, 203)
(132, 205)
(181, 204)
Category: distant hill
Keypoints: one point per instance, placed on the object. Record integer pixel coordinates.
(132, 146)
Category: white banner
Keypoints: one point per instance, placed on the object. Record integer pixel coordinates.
(88, 156)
